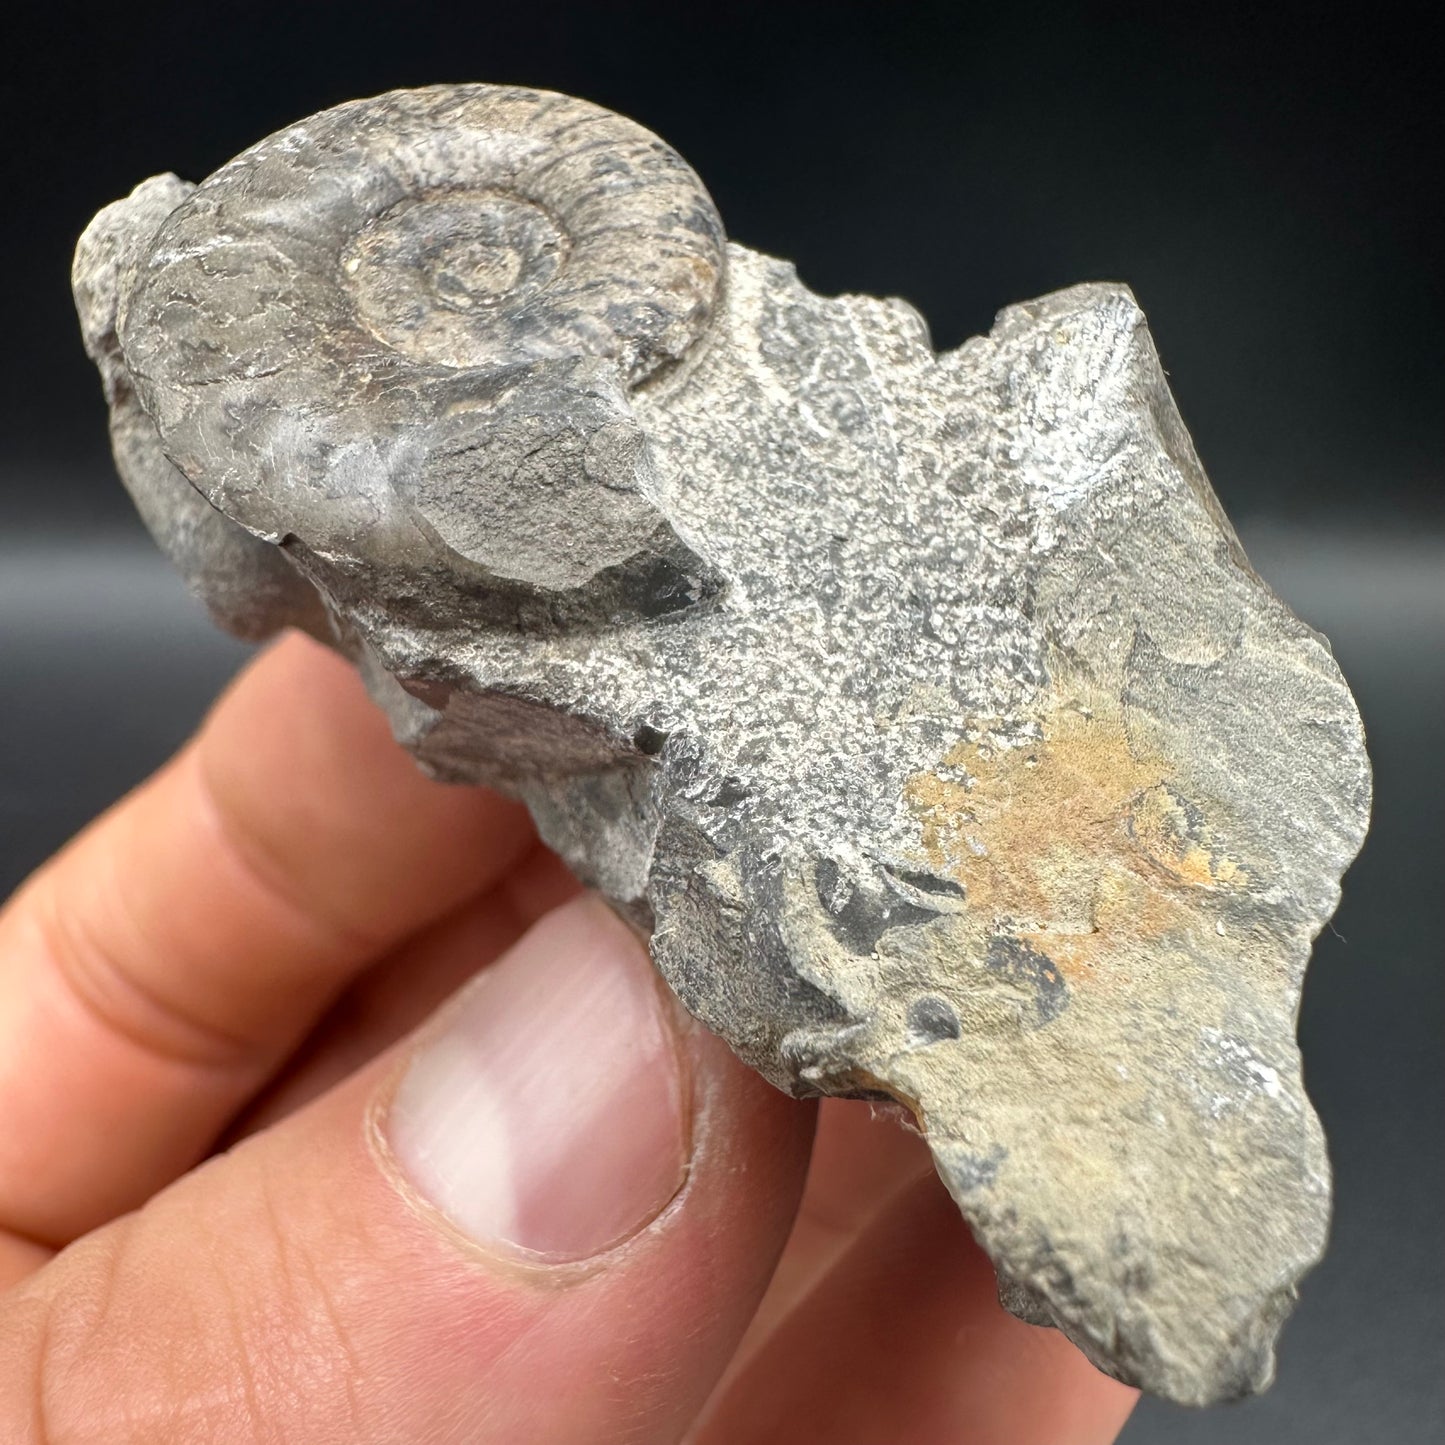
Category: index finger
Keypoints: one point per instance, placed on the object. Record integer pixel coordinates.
(156, 972)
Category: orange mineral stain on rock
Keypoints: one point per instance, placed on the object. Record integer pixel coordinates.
(1173, 834)
(1072, 844)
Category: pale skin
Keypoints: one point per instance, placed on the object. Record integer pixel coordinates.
(207, 1001)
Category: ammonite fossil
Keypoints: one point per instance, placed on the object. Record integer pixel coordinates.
(454, 278)
(923, 709)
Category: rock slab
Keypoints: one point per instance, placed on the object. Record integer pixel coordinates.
(922, 709)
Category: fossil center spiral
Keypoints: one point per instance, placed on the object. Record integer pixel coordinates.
(450, 279)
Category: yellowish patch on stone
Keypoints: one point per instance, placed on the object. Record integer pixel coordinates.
(1173, 834)
(1074, 845)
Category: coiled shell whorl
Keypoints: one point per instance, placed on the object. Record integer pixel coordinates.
(403, 332)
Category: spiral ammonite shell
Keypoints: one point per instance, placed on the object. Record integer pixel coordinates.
(412, 321)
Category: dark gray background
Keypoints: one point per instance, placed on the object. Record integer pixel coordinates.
(1262, 176)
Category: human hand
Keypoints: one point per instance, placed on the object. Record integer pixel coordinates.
(250, 1191)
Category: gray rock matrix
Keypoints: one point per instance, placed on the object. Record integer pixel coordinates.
(923, 709)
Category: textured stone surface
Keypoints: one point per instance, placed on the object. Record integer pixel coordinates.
(923, 708)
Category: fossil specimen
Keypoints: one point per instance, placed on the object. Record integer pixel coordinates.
(923, 708)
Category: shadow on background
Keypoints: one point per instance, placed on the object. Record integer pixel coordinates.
(1259, 175)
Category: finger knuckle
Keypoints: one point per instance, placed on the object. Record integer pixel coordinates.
(101, 979)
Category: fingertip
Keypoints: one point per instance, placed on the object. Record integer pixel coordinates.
(564, 1099)
(940, 1358)
(308, 1275)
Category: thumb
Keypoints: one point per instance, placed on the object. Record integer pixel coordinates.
(548, 1218)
